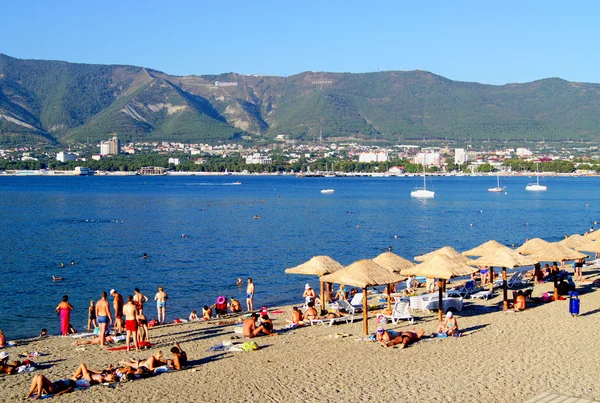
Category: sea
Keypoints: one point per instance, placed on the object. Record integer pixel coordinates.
(201, 233)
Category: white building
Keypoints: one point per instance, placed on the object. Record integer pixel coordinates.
(524, 152)
(64, 157)
(373, 157)
(429, 159)
(110, 147)
(258, 159)
(174, 161)
(96, 157)
(460, 156)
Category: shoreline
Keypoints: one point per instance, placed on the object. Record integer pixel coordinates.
(502, 357)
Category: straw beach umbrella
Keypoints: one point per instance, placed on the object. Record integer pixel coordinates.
(445, 251)
(485, 249)
(580, 242)
(318, 265)
(443, 267)
(363, 273)
(395, 264)
(544, 251)
(594, 235)
(505, 258)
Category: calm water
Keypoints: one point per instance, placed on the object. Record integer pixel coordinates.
(105, 224)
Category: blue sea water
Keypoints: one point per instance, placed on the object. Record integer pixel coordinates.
(105, 224)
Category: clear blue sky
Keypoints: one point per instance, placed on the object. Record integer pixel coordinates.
(491, 42)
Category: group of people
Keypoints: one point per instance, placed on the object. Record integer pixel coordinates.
(127, 370)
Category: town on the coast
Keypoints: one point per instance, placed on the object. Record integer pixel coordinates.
(291, 157)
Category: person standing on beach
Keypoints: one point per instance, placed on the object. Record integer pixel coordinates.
(64, 310)
(139, 299)
(118, 304)
(103, 316)
(250, 295)
(92, 316)
(161, 304)
(131, 325)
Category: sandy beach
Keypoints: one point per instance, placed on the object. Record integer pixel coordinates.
(502, 357)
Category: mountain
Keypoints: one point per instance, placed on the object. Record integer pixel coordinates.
(59, 102)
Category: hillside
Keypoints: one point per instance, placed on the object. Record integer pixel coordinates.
(59, 102)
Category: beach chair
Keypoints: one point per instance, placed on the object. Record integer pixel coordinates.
(345, 305)
(464, 291)
(399, 312)
(357, 300)
(485, 294)
(349, 318)
(516, 280)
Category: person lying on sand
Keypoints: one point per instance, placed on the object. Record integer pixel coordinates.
(151, 363)
(9, 368)
(107, 340)
(40, 384)
(384, 336)
(93, 376)
(250, 329)
(405, 338)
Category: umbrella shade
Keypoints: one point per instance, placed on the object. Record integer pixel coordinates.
(363, 273)
(548, 252)
(442, 266)
(486, 249)
(393, 262)
(505, 258)
(579, 242)
(445, 251)
(318, 265)
(594, 235)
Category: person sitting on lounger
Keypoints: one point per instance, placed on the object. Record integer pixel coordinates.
(40, 384)
(341, 295)
(406, 338)
(449, 326)
(251, 330)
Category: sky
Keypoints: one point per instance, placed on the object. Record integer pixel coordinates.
(490, 42)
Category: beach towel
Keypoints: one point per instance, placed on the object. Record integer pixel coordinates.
(162, 369)
(122, 348)
(80, 335)
(238, 329)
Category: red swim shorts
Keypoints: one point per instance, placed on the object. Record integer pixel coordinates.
(131, 325)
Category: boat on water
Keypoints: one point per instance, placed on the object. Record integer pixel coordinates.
(536, 187)
(423, 193)
(497, 188)
(327, 191)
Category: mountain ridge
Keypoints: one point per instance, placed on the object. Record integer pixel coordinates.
(60, 103)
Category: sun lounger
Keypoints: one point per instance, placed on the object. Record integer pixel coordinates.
(465, 290)
(348, 318)
(482, 294)
(346, 306)
(430, 302)
(357, 300)
(399, 312)
(516, 280)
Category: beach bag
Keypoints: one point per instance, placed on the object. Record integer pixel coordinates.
(250, 346)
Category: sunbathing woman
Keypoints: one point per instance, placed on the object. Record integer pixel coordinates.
(108, 339)
(40, 384)
(406, 338)
(151, 363)
(448, 326)
(93, 376)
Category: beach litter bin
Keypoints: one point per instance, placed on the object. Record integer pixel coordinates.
(574, 303)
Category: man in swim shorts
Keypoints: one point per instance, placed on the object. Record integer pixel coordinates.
(103, 316)
(131, 325)
(161, 304)
(250, 329)
(118, 304)
(250, 295)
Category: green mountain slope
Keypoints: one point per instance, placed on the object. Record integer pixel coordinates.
(52, 101)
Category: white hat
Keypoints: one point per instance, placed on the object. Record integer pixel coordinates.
(112, 291)
(449, 314)
(307, 286)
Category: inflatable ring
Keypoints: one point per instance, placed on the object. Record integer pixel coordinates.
(220, 300)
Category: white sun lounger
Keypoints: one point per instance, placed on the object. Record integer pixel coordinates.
(349, 318)
(399, 312)
(482, 294)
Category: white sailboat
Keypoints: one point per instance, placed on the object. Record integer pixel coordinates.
(423, 193)
(497, 188)
(536, 187)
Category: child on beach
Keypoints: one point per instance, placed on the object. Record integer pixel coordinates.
(193, 316)
(92, 316)
(206, 312)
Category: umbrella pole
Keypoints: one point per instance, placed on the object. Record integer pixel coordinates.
(389, 293)
(365, 312)
(504, 289)
(491, 271)
(441, 286)
(323, 300)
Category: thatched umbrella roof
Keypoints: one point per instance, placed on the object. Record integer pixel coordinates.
(486, 249)
(363, 273)
(393, 262)
(594, 235)
(505, 258)
(442, 266)
(318, 265)
(446, 251)
(548, 252)
(580, 242)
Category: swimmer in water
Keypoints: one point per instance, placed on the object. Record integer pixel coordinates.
(257, 217)
(144, 256)
(56, 278)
